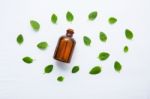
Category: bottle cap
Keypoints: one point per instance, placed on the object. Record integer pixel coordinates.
(70, 32)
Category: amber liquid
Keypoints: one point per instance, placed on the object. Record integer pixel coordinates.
(64, 49)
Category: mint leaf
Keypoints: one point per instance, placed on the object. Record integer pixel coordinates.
(42, 45)
(60, 78)
(27, 59)
(95, 70)
(69, 16)
(112, 20)
(48, 68)
(126, 49)
(35, 25)
(103, 37)
(103, 56)
(87, 41)
(54, 18)
(92, 16)
(117, 66)
(75, 69)
(128, 34)
(20, 39)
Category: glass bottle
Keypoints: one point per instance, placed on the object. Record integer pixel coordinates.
(65, 47)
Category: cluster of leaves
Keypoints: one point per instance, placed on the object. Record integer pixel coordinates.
(43, 45)
(49, 68)
(103, 38)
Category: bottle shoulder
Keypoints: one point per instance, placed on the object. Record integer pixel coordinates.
(65, 38)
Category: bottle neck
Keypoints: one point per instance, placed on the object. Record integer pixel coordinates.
(69, 34)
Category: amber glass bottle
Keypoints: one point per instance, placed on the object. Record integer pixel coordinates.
(65, 47)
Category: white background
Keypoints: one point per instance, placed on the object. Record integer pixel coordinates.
(23, 81)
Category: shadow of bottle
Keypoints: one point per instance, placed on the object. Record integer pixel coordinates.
(62, 65)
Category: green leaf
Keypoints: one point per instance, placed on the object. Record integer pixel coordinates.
(126, 49)
(20, 39)
(69, 16)
(92, 16)
(27, 60)
(60, 78)
(48, 68)
(87, 41)
(35, 25)
(117, 66)
(75, 69)
(42, 45)
(112, 20)
(95, 70)
(103, 37)
(103, 56)
(128, 34)
(54, 18)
